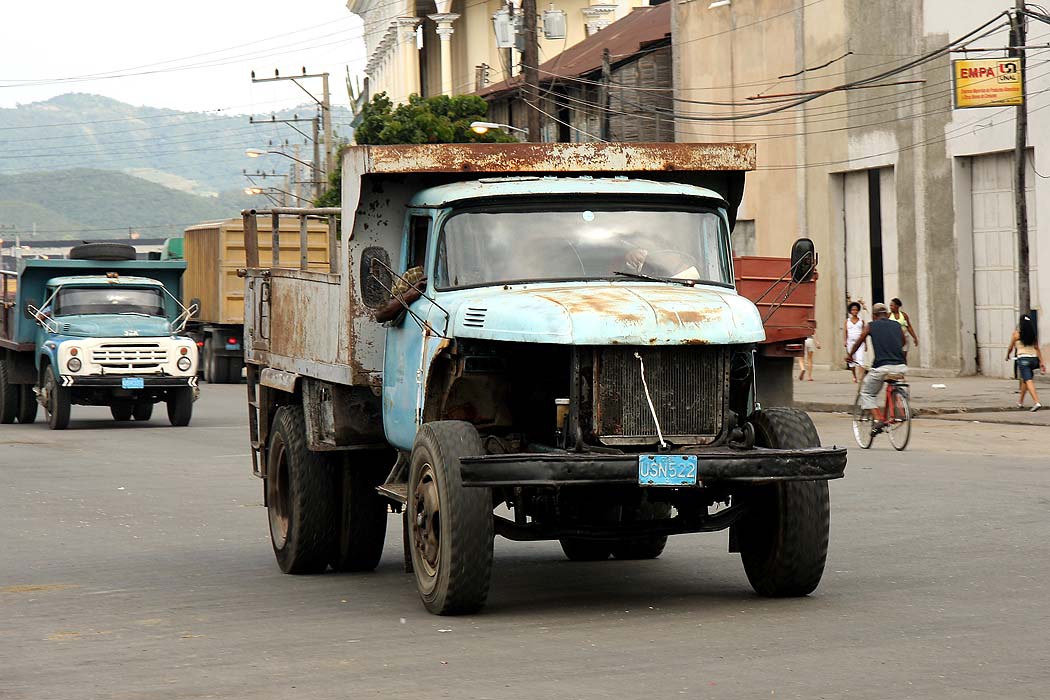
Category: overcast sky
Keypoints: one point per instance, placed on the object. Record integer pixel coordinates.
(189, 54)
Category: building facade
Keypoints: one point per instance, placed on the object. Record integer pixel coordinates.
(904, 195)
(449, 46)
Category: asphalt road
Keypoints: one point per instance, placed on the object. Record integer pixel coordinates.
(135, 563)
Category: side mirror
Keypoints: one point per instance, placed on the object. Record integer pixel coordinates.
(195, 304)
(29, 310)
(803, 260)
(376, 278)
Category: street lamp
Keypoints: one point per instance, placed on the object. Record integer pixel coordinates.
(484, 127)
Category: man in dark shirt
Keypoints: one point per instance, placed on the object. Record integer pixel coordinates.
(887, 339)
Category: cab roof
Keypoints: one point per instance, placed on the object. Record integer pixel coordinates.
(483, 188)
(102, 281)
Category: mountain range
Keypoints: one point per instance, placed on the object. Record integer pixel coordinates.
(79, 161)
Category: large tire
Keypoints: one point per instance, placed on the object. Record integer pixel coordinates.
(180, 406)
(450, 526)
(27, 404)
(362, 512)
(649, 547)
(102, 251)
(234, 365)
(8, 396)
(121, 411)
(143, 411)
(783, 539)
(59, 401)
(302, 507)
(585, 550)
(217, 369)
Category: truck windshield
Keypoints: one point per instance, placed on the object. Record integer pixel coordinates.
(73, 301)
(479, 248)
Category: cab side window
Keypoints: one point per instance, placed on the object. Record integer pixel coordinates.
(418, 233)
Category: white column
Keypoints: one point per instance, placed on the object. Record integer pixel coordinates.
(444, 31)
(408, 55)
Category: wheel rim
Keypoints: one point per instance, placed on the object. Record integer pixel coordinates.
(426, 524)
(862, 425)
(49, 388)
(279, 498)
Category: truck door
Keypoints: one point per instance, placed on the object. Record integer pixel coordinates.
(412, 342)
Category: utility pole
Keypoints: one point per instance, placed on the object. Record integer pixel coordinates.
(1017, 41)
(530, 57)
(325, 108)
(604, 95)
(318, 179)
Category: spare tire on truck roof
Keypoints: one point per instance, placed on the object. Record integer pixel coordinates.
(102, 251)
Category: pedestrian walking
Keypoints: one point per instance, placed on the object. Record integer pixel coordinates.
(1025, 344)
(851, 331)
(805, 362)
(900, 316)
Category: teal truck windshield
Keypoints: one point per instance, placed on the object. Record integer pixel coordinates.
(495, 247)
(73, 301)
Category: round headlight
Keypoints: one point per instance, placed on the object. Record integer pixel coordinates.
(183, 363)
(74, 364)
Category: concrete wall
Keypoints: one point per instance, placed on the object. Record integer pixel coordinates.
(911, 132)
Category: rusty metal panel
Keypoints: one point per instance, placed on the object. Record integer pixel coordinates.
(558, 157)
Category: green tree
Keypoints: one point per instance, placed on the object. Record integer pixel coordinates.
(440, 119)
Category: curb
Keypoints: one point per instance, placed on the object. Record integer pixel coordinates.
(818, 407)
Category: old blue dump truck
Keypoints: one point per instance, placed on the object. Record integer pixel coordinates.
(575, 365)
(100, 329)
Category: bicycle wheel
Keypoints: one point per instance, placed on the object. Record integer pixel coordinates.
(862, 425)
(900, 427)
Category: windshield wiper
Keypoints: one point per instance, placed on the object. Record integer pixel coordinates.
(671, 280)
(134, 313)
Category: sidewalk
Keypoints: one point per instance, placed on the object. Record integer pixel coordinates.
(950, 397)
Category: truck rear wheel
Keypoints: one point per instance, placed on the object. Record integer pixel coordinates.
(143, 411)
(8, 396)
(649, 547)
(121, 411)
(180, 406)
(363, 512)
(783, 538)
(300, 488)
(27, 404)
(450, 526)
(585, 550)
(58, 401)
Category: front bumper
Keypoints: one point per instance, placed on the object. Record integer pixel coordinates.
(756, 465)
(114, 381)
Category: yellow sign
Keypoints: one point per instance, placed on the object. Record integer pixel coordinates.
(987, 82)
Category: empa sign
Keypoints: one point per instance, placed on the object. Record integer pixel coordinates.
(987, 82)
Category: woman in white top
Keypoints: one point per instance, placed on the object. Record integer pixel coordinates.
(1028, 357)
(851, 331)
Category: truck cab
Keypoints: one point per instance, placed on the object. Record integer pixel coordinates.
(571, 347)
(101, 333)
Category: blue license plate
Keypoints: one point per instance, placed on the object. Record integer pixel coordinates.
(131, 383)
(667, 470)
(233, 346)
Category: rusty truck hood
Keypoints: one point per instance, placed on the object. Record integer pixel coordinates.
(606, 313)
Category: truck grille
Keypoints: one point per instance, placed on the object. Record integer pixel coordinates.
(688, 386)
(130, 356)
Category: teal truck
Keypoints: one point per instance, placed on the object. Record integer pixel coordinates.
(536, 342)
(99, 329)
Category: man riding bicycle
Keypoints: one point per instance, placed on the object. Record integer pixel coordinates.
(887, 339)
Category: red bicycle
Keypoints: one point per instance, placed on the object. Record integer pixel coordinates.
(894, 418)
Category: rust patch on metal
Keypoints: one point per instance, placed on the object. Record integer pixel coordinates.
(559, 157)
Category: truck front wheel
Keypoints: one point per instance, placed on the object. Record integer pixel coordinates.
(58, 402)
(180, 406)
(450, 526)
(143, 411)
(585, 550)
(783, 538)
(300, 488)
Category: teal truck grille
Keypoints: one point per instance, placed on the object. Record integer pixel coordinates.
(688, 385)
(137, 355)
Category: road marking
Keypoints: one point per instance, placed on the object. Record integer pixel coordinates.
(34, 587)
